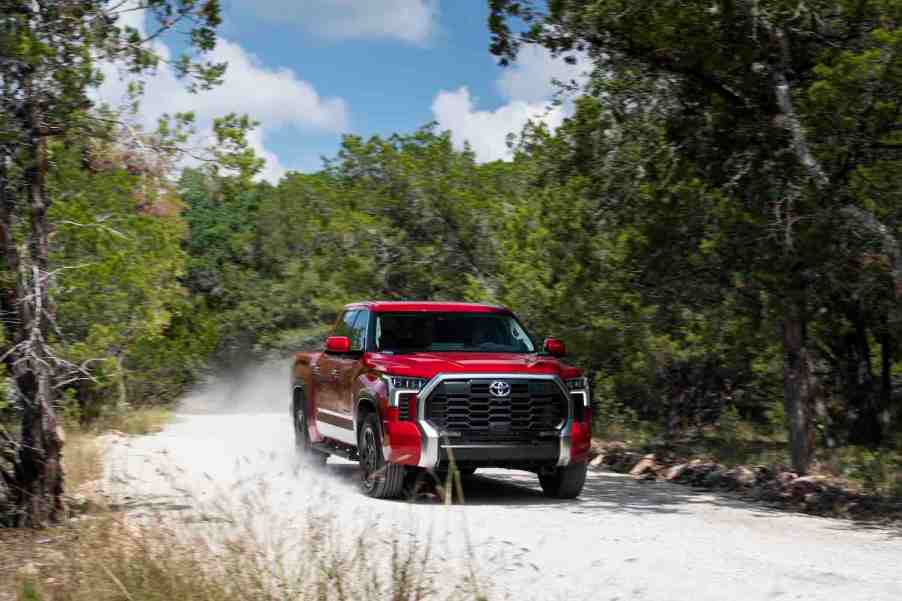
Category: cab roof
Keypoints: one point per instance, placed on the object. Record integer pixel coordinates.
(426, 306)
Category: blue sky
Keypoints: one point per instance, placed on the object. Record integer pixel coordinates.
(312, 70)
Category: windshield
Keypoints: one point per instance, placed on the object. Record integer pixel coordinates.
(458, 332)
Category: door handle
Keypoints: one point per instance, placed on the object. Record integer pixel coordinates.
(333, 373)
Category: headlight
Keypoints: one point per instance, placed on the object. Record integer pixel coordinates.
(579, 387)
(577, 384)
(399, 384)
(406, 383)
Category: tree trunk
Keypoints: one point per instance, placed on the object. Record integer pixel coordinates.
(796, 390)
(886, 369)
(865, 428)
(36, 488)
(44, 483)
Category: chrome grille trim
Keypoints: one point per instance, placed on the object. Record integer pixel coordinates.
(429, 450)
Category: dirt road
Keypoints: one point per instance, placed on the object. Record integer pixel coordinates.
(622, 539)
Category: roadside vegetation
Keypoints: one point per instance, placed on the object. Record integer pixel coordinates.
(108, 559)
(714, 230)
(223, 549)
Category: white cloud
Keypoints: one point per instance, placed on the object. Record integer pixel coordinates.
(275, 97)
(408, 20)
(487, 131)
(527, 85)
(530, 78)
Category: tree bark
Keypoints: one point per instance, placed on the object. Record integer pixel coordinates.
(42, 474)
(796, 389)
(36, 488)
(886, 368)
(865, 428)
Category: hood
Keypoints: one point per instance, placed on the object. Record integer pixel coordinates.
(427, 365)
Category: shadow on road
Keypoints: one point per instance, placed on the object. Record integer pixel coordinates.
(604, 491)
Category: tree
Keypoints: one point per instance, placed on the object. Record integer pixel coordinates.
(50, 58)
(780, 107)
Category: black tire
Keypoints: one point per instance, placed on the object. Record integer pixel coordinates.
(381, 480)
(564, 482)
(302, 444)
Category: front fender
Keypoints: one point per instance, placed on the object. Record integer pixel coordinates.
(400, 440)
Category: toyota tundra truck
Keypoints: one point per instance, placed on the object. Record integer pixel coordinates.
(408, 387)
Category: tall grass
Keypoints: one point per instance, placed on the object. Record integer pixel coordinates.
(237, 547)
(144, 420)
(114, 559)
(82, 459)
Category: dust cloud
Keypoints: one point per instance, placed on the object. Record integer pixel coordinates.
(256, 388)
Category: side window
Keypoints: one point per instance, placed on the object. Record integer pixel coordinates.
(345, 325)
(358, 331)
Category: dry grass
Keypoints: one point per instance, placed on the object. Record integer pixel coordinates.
(83, 450)
(147, 420)
(234, 548)
(82, 459)
(111, 559)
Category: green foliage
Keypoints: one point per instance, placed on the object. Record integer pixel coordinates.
(766, 198)
(404, 217)
(121, 311)
(729, 425)
(670, 230)
(28, 590)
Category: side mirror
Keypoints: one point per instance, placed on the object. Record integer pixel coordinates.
(338, 344)
(555, 347)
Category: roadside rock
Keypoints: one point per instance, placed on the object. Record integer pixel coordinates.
(800, 488)
(646, 465)
(785, 478)
(697, 473)
(738, 477)
(774, 484)
(674, 472)
(714, 477)
(621, 461)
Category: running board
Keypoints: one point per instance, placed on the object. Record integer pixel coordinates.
(341, 450)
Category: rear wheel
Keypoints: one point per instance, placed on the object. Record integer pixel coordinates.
(381, 480)
(302, 443)
(564, 482)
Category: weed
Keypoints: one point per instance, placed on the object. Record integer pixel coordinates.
(82, 458)
(145, 420)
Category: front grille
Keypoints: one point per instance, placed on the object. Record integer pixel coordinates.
(467, 410)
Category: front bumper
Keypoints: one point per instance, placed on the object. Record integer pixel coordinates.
(500, 455)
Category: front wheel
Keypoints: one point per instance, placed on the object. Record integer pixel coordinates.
(302, 443)
(381, 480)
(564, 482)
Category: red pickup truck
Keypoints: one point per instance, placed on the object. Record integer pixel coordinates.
(407, 387)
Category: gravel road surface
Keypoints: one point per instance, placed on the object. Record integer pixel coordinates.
(623, 539)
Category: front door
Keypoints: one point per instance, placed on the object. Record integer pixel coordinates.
(331, 420)
(349, 366)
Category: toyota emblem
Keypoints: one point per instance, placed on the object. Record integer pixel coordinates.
(500, 389)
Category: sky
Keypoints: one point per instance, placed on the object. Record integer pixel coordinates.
(310, 71)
